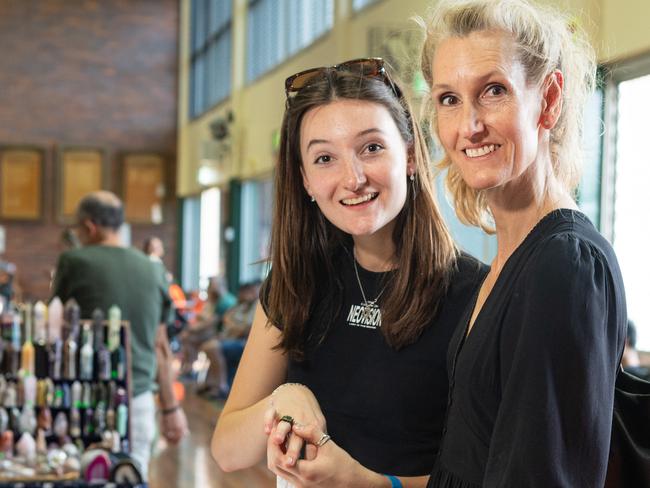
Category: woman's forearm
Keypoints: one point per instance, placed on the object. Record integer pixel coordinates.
(239, 440)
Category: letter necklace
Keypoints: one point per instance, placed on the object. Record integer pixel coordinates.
(369, 307)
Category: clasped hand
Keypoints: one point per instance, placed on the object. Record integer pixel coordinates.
(292, 449)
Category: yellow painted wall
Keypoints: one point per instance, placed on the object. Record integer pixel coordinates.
(258, 107)
(615, 27)
(624, 29)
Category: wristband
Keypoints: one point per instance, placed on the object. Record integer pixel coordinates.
(394, 481)
(167, 411)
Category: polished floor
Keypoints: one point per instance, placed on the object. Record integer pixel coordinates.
(190, 465)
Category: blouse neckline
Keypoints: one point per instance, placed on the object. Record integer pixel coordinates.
(540, 226)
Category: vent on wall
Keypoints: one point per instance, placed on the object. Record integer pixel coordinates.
(399, 44)
(214, 163)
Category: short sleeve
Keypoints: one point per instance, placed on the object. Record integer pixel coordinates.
(60, 282)
(167, 311)
(265, 292)
(559, 366)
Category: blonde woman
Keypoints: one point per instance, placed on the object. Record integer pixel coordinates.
(532, 369)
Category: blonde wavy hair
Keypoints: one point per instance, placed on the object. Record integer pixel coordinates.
(546, 40)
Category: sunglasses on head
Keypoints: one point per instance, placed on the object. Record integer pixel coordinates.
(366, 67)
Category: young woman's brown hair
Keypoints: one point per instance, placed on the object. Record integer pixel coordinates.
(303, 241)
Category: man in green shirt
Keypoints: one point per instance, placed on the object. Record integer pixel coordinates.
(103, 273)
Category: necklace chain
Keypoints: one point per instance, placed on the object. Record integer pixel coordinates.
(363, 294)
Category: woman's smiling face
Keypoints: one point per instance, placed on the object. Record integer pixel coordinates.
(488, 116)
(354, 163)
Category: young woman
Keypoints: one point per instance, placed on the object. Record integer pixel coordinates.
(533, 367)
(365, 290)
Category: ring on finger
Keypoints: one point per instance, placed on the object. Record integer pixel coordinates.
(323, 439)
(287, 418)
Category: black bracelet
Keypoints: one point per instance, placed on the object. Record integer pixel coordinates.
(167, 411)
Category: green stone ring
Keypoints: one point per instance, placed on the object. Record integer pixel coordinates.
(287, 418)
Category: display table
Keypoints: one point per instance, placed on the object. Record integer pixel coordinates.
(65, 401)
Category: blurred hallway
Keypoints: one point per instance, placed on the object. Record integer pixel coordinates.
(190, 464)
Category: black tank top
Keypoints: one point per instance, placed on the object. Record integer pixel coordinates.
(386, 408)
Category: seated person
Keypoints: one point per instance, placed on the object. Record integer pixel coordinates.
(228, 346)
(631, 361)
(7, 272)
(226, 299)
(206, 324)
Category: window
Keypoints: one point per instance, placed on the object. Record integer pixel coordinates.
(256, 216)
(211, 57)
(628, 166)
(200, 239)
(589, 193)
(277, 29)
(209, 253)
(359, 4)
(190, 239)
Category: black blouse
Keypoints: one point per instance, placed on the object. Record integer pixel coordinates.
(532, 385)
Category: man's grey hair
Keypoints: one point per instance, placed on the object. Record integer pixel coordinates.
(102, 208)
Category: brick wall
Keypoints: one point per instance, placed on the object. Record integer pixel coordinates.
(101, 73)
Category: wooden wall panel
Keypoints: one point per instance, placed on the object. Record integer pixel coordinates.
(97, 73)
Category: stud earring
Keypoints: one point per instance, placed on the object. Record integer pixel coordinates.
(312, 198)
(412, 178)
